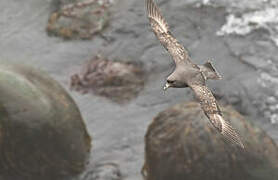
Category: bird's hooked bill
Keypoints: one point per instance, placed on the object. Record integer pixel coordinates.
(166, 86)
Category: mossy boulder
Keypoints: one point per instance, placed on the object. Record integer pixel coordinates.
(42, 134)
(181, 144)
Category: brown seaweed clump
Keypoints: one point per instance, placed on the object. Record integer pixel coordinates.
(80, 19)
(42, 133)
(118, 81)
(180, 144)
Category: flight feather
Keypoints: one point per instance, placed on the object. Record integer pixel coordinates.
(161, 30)
(212, 111)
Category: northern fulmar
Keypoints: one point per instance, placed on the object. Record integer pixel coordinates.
(188, 74)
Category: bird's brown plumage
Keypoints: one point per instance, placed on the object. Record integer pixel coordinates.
(213, 112)
(161, 30)
(191, 74)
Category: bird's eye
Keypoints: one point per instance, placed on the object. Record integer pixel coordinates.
(170, 81)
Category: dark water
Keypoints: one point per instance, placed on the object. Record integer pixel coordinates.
(245, 61)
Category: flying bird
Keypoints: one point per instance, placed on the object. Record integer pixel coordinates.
(188, 74)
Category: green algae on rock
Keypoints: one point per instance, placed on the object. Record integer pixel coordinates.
(42, 132)
(116, 80)
(180, 144)
(80, 19)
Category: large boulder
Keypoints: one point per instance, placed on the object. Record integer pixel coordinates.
(182, 145)
(42, 134)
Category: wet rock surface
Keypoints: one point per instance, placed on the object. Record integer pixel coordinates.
(251, 36)
(43, 135)
(106, 171)
(116, 80)
(182, 144)
(243, 60)
(78, 19)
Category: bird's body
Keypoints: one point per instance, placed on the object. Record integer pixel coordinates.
(188, 74)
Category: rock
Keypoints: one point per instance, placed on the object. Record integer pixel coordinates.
(78, 19)
(118, 81)
(22, 38)
(181, 144)
(106, 171)
(42, 132)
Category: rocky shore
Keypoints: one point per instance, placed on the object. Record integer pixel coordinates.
(247, 61)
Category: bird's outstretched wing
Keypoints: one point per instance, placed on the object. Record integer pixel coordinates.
(212, 111)
(161, 30)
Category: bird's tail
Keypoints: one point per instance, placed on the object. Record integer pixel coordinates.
(209, 72)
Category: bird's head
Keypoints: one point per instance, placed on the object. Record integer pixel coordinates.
(168, 84)
(174, 83)
(176, 80)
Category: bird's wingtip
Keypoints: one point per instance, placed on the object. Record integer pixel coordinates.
(229, 132)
